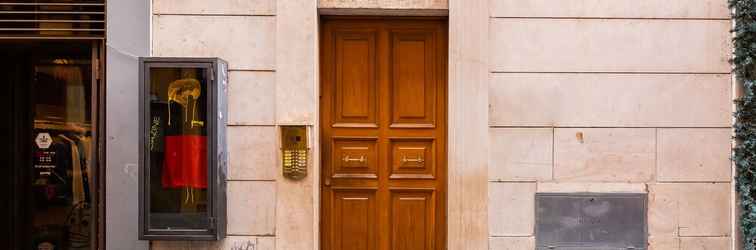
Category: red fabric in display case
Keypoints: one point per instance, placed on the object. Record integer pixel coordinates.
(185, 162)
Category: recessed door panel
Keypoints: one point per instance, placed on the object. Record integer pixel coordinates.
(355, 158)
(355, 85)
(412, 214)
(383, 133)
(412, 158)
(354, 226)
(413, 83)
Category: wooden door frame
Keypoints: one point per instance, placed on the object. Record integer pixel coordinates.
(468, 129)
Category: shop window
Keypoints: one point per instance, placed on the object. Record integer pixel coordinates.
(183, 159)
(50, 175)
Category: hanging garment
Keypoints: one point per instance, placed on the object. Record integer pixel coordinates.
(85, 152)
(185, 163)
(185, 92)
(184, 142)
(85, 146)
(77, 185)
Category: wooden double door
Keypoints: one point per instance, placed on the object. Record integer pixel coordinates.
(383, 134)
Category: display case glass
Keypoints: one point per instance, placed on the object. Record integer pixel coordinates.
(183, 160)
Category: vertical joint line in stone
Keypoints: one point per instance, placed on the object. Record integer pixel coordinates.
(656, 154)
(553, 153)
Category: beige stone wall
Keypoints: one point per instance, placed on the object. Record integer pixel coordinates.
(582, 96)
(384, 4)
(612, 96)
(244, 34)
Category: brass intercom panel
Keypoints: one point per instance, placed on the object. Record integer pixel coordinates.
(294, 151)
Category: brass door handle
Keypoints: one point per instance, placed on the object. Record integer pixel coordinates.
(418, 160)
(347, 159)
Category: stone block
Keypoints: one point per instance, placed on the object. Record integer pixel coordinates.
(217, 7)
(610, 100)
(611, 9)
(520, 154)
(689, 209)
(171, 245)
(296, 63)
(240, 243)
(251, 98)
(604, 154)
(511, 208)
(598, 45)
(511, 243)
(384, 4)
(251, 208)
(253, 153)
(700, 154)
(582, 187)
(704, 209)
(704, 243)
(663, 243)
(663, 211)
(246, 42)
(229, 243)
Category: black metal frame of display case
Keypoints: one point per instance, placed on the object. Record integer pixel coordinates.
(216, 77)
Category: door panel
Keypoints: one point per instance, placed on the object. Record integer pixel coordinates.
(412, 214)
(383, 133)
(354, 224)
(355, 158)
(412, 158)
(355, 90)
(413, 80)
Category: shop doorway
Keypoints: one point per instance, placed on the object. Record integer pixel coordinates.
(383, 133)
(50, 194)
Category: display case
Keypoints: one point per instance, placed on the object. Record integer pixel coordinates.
(183, 160)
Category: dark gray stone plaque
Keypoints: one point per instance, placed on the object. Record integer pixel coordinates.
(595, 221)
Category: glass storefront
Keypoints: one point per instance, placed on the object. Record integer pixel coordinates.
(50, 95)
